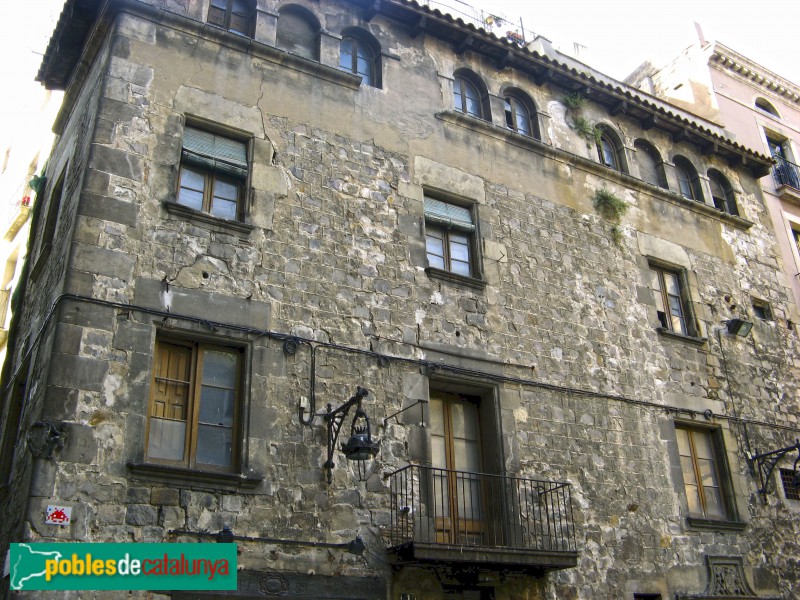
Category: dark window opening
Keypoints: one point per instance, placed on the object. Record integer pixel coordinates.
(764, 105)
(688, 180)
(791, 484)
(651, 167)
(722, 193)
(762, 310)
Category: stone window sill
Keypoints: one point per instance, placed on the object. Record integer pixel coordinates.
(201, 219)
(195, 478)
(689, 339)
(715, 525)
(472, 282)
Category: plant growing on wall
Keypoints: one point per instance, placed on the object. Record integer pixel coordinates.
(575, 101)
(611, 207)
(586, 129)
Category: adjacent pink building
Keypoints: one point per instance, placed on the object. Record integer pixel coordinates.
(760, 110)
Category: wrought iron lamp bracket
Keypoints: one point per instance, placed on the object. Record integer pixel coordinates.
(766, 462)
(334, 418)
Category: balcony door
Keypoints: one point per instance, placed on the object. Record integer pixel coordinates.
(456, 501)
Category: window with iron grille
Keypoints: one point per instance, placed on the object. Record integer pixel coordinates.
(791, 484)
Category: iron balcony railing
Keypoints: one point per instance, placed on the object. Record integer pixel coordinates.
(459, 508)
(786, 173)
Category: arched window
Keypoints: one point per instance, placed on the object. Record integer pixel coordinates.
(520, 113)
(359, 53)
(651, 167)
(298, 31)
(722, 193)
(609, 150)
(470, 95)
(234, 15)
(688, 180)
(764, 105)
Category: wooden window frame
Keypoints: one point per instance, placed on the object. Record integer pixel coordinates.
(372, 78)
(449, 528)
(607, 141)
(437, 229)
(460, 86)
(512, 107)
(720, 467)
(210, 179)
(684, 300)
(727, 202)
(194, 383)
(685, 172)
(212, 175)
(225, 22)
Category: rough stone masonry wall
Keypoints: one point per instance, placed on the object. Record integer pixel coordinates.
(338, 257)
(70, 156)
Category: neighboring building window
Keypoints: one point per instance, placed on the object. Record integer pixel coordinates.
(456, 461)
(766, 107)
(298, 31)
(688, 180)
(722, 193)
(609, 150)
(796, 237)
(785, 171)
(194, 405)
(701, 464)
(213, 173)
(791, 484)
(449, 233)
(651, 167)
(359, 54)
(520, 114)
(233, 15)
(671, 301)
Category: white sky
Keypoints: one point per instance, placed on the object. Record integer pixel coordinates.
(619, 34)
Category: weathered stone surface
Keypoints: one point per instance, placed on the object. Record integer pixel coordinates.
(558, 342)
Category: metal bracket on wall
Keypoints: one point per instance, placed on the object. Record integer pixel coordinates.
(765, 463)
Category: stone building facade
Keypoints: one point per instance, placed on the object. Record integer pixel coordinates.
(252, 210)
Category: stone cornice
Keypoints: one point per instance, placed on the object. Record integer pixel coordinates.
(730, 60)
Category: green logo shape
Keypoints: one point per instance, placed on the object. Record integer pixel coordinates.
(81, 566)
